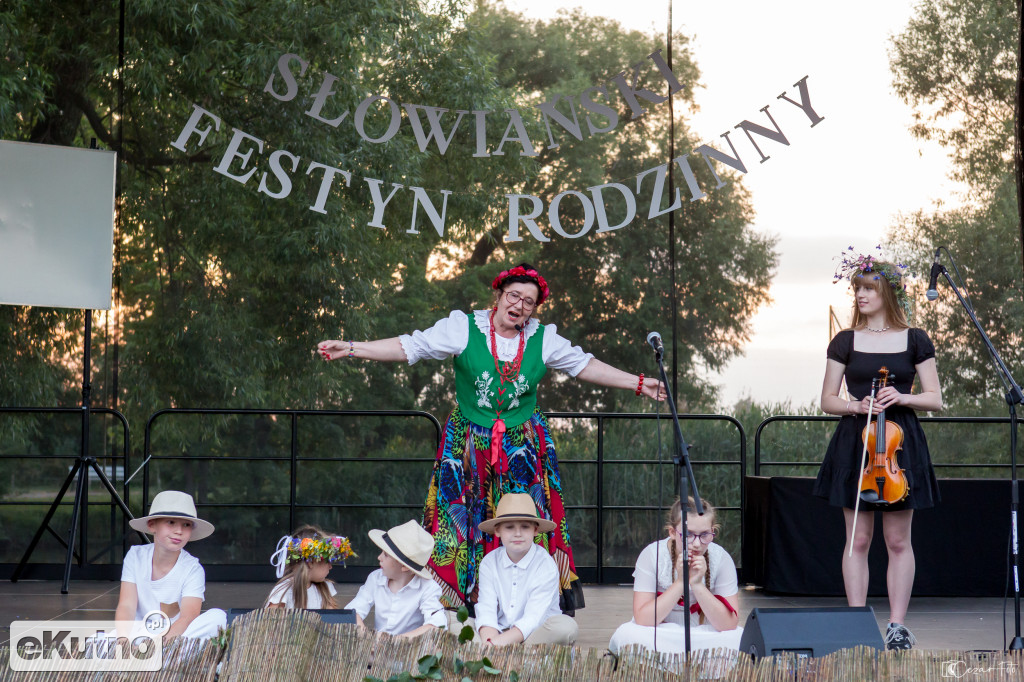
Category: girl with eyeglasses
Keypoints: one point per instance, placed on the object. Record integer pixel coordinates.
(496, 441)
(658, 582)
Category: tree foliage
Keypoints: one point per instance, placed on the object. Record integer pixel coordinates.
(979, 237)
(222, 292)
(956, 63)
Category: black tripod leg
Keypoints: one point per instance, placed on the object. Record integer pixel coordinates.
(114, 496)
(46, 522)
(83, 475)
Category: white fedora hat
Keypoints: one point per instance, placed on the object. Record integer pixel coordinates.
(172, 504)
(408, 544)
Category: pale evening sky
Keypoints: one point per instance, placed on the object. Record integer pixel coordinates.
(840, 183)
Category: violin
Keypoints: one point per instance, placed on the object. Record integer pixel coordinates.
(883, 481)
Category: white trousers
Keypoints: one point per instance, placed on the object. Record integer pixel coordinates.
(670, 638)
(206, 624)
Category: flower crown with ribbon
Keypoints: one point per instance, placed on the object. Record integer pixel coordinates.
(520, 271)
(855, 264)
(291, 550)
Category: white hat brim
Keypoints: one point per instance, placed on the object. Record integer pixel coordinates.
(377, 536)
(200, 529)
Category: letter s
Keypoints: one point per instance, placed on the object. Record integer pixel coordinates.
(289, 79)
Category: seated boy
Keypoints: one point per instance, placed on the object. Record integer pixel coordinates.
(163, 576)
(403, 594)
(518, 597)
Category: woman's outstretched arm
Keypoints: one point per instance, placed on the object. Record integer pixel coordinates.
(603, 374)
(386, 350)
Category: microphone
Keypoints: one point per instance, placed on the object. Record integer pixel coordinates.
(654, 339)
(933, 280)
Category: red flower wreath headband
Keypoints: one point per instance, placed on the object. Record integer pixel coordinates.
(520, 271)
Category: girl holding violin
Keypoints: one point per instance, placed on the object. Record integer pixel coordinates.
(880, 338)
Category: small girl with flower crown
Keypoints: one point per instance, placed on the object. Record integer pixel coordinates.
(303, 561)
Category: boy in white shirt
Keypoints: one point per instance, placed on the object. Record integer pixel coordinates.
(164, 577)
(518, 597)
(405, 599)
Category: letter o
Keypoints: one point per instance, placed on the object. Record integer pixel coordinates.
(588, 214)
(143, 648)
(396, 119)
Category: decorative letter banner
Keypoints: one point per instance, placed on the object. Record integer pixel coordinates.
(243, 162)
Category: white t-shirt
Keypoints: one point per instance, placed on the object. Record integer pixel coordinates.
(450, 336)
(523, 594)
(282, 594)
(186, 579)
(723, 576)
(396, 613)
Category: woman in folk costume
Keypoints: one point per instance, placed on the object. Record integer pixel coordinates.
(496, 441)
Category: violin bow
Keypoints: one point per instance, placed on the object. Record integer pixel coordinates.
(863, 463)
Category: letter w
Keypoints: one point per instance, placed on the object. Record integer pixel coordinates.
(434, 120)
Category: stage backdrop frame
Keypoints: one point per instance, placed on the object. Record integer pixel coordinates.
(56, 225)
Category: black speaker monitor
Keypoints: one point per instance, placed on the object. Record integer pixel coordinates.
(326, 615)
(809, 632)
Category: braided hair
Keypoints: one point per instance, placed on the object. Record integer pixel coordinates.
(675, 517)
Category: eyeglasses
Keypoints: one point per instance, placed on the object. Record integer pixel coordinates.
(706, 537)
(514, 297)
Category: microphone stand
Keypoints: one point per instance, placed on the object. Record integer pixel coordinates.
(1013, 397)
(681, 458)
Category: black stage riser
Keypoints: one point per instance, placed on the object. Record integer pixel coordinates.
(793, 541)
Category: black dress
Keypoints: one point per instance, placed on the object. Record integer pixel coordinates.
(837, 478)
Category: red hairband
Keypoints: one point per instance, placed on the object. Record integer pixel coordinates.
(520, 271)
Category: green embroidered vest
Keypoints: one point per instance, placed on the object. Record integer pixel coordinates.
(479, 389)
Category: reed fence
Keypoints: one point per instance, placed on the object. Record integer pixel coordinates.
(296, 646)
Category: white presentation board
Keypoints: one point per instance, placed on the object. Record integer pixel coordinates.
(56, 225)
